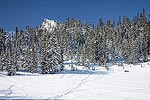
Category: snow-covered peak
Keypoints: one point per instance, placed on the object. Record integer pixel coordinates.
(49, 25)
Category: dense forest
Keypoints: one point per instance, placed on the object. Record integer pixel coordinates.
(44, 50)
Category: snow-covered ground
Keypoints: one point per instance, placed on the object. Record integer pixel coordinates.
(100, 84)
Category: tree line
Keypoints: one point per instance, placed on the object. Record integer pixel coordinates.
(42, 50)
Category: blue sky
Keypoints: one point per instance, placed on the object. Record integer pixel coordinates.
(32, 12)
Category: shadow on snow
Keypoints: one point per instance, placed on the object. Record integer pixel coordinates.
(95, 72)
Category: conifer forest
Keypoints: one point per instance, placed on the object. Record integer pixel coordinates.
(44, 49)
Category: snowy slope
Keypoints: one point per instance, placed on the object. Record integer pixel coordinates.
(100, 84)
(49, 25)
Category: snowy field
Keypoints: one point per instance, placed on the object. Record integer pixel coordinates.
(115, 84)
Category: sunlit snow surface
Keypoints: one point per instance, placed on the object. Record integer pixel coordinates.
(100, 84)
(48, 24)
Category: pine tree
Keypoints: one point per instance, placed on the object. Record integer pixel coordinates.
(43, 46)
(99, 43)
(126, 45)
(61, 39)
(87, 39)
(72, 43)
(11, 68)
(16, 47)
(53, 51)
(49, 52)
(25, 43)
(4, 50)
(110, 42)
(144, 35)
(135, 40)
(33, 53)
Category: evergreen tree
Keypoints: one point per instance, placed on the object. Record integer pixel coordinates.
(126, 45)
(49, 52)
(3, 37)
(99, 43)
(144, 35)
(61, 39)
(33, 53)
